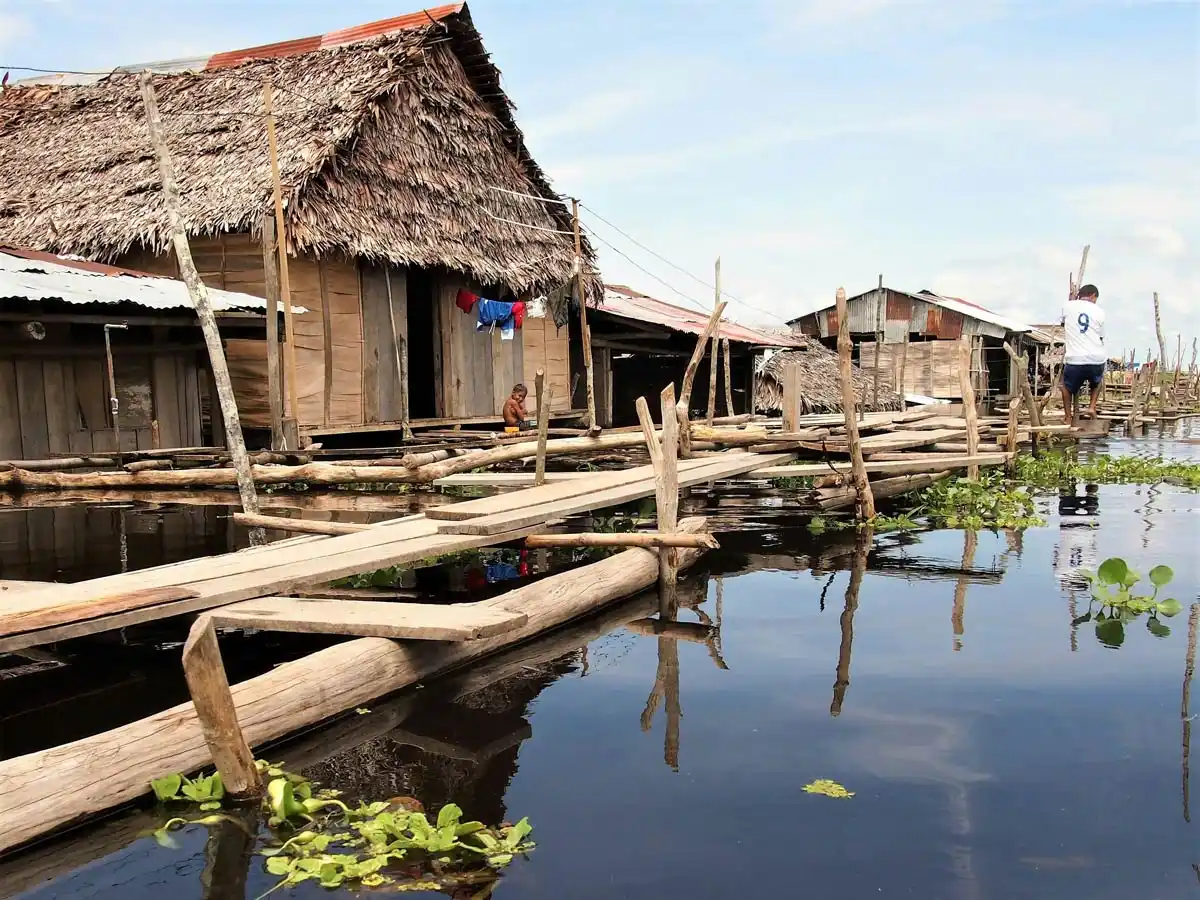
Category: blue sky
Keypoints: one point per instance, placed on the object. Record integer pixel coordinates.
(967, 146)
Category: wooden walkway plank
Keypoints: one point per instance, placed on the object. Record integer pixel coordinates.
(370, 618)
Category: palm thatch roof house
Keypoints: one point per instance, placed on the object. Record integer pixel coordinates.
(405, 178)
(820, 383)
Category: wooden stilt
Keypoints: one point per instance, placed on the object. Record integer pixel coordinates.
(585, 331)
(209, 687)
(862, 487)
(199, 297)
(274, 375)
(728, 379)
(543, 424)
(689, 378)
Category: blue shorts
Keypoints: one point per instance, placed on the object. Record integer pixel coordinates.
(1076, 376)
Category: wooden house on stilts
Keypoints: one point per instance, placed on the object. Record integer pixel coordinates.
(405, 180)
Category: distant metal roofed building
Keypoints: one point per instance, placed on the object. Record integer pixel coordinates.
(630, 304)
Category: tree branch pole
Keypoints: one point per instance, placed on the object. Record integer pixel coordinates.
(970, 412)
(862, 487)
(715, 356)
(199, 296)
(285, 282)
(1163, 363)
(543, 424)
(584, 329)
(689, 378)
(271, 289)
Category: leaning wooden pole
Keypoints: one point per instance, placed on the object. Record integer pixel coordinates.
(584, 329)
(285, 282)
(714, 355)
(689, 379)
(862, 487)
(966, 354)
(47, 789)
(199, 297)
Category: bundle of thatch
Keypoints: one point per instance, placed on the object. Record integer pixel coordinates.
(398, 148)
(822, 392)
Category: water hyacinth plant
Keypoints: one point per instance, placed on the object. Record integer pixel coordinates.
(1112, 587)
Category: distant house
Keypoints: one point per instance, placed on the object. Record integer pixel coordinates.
(406, 179)
(639, 345)
(820, 383)
(54, 384)
(923, 329)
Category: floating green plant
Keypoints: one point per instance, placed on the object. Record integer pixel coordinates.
(322, 839)
(1112, 587)
(828, 788)
(1051, 469)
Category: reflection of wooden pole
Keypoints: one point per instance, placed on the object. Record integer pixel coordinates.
(227, 856)
(199, 297)
(714, 356)
(862, 488)
(1189, 669)
(666, 686)
(970, 541)
(285, 282)
(543, 420)
(858, 568)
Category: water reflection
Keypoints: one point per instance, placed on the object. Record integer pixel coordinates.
(858, 568)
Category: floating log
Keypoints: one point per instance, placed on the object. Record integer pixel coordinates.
(321, 474)
(59, 465)
(148, 465)
(300, 526)
(51, 788)
(627, 539)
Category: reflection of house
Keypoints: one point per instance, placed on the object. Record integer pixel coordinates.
(640, 344)
(923, 330)
(406, 179)
(54, 389)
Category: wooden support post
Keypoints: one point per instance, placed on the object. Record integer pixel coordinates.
(903, 380)
(326, 345)
(1011, 440)
(666, 481)
(880, 303)
(714, 359)
(199, 296)
(862, 487)
(400, 347)
(285, 283)
(970, 412)
(728, 378)
(209, 687)
(689, 378)
(1162, 356)
(543, 424)
(113, 402)
(585, 331)
(271, 289)
(1178, 369)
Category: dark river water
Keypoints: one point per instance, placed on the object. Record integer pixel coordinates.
(995, 750)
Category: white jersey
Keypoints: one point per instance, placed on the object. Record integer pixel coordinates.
(1084, 325)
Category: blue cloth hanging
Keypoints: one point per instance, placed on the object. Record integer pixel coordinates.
(494, 313)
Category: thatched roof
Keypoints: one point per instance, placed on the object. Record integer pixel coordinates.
(390, 148)
(822, 391)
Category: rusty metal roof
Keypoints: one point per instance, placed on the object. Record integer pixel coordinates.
(33, 275)
(293, 47)
(627, 303)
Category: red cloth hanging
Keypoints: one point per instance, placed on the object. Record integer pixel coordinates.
(518, 313)
(466, 300)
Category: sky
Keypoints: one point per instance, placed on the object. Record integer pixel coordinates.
(969, 147)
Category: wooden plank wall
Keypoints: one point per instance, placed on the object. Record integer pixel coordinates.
(58, 405)
(546, 347)
(478, 368)
(930, 367)
(382, 396)
(234, 262)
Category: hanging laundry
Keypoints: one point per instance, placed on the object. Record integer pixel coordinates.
(519, 312)
(494, 313)
(466, 300)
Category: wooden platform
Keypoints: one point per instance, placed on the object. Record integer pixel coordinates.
(573, 415)
(366, 618)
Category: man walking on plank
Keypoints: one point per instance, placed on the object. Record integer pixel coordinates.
(1086, 358)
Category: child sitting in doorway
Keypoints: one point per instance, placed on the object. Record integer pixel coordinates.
(514, 410)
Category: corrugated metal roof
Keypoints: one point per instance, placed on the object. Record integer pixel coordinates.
(629, 304)
(32, 275)
(293, 47)
(955, 304)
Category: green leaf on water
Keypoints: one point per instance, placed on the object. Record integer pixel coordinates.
(1169, 607)
(210, 805)
(279, 865)
(167, 788)
(1113, 571)
(448, 815)
(1161, 576)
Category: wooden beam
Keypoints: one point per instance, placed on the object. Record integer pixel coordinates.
(274, 374)
(728, 379)
(300, 526)
(199, 296)
(866, 501)
(622, 539)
